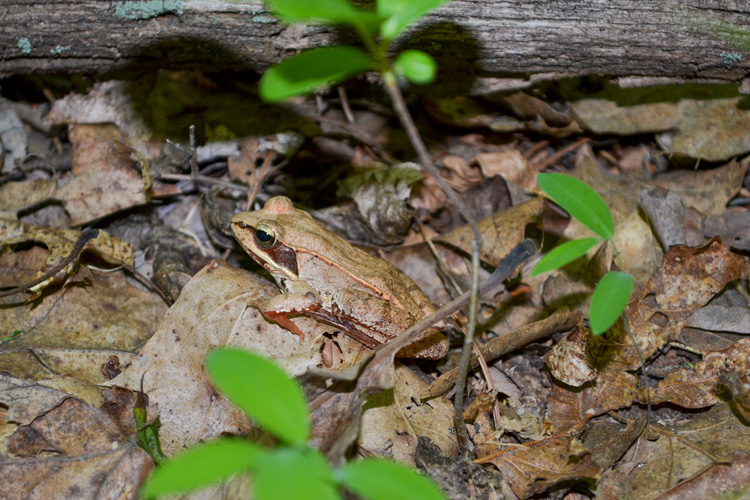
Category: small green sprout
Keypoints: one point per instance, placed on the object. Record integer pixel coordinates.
(314, 68)
(276, 402)
(580, 201)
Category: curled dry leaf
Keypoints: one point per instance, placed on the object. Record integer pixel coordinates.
(108, 102)
(392, 421)
(569, 360)
(60, 242)
(510, 164)
(500, 233)
(698, 388)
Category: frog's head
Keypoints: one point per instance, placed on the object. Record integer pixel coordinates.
(261, 235)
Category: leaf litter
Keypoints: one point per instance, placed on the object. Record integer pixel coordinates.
(562, 414)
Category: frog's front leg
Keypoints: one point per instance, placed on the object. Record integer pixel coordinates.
(279, 307)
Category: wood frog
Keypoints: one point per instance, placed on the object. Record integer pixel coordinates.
(323, 276)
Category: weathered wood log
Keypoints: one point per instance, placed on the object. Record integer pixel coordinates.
(496, 43)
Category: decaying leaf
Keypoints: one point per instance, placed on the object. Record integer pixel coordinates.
(500, 233)
(569, 360)
(688, 278)
(107, 180)
(65, 448)
(60, 242)
(713, 130)
(108, 102)
(534, 467)
(392, 421)
(676, 452)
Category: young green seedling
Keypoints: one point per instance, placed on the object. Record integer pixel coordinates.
(612, 293)
(314, 68)
(292, 469)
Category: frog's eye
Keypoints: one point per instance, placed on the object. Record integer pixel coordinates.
(265, 236)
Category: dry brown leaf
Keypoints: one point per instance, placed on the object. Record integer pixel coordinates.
(674, 453)
(108, 102)
(500, 233)
(569, 360)
(688, 278)
(211, 312)
(243, 167)
(15, 196)
(532, 468)
(392, 420)
(607, 441)
(707, 191)
(108, 313)
(713, 130)
(510, 164)
(697, 388)
(733, 226)
(22, 266)
(64, 448)
(108, 183)
(722, 480)
(615, 388)
(673, 221)
(60, 243)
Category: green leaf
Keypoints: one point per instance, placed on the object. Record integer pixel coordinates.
(609, 300)
(385, 480)
(402, 13)
(311, 69)
(202, 466)
(294, 473)
(148, 434)
(262, 390)
(564, 254)
(319, 10)
(416, 66)
(580, 201)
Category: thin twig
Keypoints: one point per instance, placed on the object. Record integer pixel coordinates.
(402, 111)
(84, 238)
(345, 104)
(204, 180)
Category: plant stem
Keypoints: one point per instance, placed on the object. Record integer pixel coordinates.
(399, 106)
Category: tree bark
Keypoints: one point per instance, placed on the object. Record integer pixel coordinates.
(491, 44)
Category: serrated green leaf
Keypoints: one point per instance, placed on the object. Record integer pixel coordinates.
(385, 480)
(580, 201)
(311, 69)
(564, 254)
(402, 14)
(260, 388)
(608, 302)
(288, 473)
(202, 466)
(416, 66)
